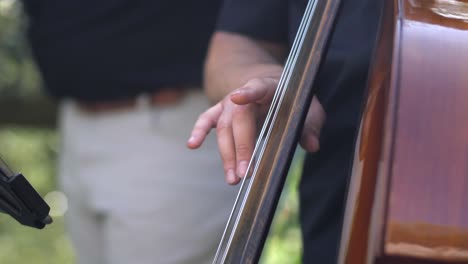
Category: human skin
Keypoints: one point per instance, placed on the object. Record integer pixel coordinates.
(241, 75)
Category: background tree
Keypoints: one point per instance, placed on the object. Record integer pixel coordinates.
(21, 99)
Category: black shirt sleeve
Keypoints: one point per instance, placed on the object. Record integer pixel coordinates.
(259, 19)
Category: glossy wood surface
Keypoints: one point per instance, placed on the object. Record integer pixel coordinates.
(427, 215)
(366, 183)
(408, 196)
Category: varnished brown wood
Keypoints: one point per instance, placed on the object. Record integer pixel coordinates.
(355, 245)
(408, 199)
(408, 260)
(428, 205)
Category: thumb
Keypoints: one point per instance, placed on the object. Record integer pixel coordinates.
(259, 90)
(313, 125)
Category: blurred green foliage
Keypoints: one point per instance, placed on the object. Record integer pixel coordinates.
(283, 245)
(33, 151)
(19, 78)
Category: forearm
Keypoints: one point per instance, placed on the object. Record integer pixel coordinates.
(234, 59)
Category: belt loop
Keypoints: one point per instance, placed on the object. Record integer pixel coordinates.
(143, 101)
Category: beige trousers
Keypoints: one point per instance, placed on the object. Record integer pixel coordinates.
(136, 194)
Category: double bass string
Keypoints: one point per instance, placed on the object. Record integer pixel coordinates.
(263, 137)
(247, 181)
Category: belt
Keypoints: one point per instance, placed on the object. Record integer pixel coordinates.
(159, 98)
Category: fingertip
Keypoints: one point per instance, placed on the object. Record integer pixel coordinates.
(191, 145)
(239, 97)
(242, 168)
(193, 142)
(315, 145)
(245, 95)
(231, 177)
(310, 143)
(236, 181)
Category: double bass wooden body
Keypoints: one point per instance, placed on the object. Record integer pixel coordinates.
(408, 195)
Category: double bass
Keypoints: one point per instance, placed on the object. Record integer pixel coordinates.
(408, 193)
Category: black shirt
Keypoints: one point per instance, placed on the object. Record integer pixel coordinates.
(110, 49)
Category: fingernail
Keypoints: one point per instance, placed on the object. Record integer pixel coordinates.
(191, 139)
(243, 168)
(236, 92)
(231, 176)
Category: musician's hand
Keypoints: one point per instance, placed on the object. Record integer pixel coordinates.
(236, 118)
(313, 125)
